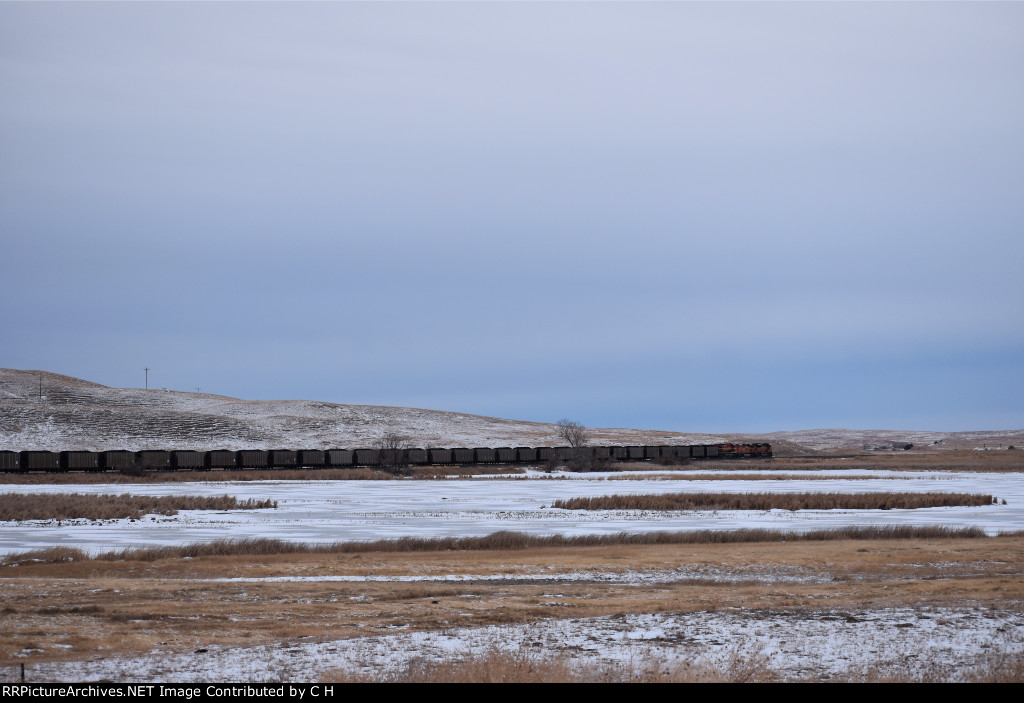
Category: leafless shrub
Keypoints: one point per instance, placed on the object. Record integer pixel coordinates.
(771, 501)
(70, 506)
(573, 433)
(577, 437)
(393, 448)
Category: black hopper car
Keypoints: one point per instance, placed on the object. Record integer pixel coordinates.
(226, 460)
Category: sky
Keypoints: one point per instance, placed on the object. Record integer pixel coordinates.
(707, 217)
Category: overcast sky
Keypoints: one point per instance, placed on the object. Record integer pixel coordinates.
(681, 216)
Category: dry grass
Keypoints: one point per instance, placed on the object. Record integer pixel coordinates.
(492, 666)
(445, 472)
(497, 665)
(72, 506)
(497, 541)
(49, 555)
(775, 501)
(993, 667)
(83, 609)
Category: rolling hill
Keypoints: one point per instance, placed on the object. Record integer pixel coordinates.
(44, 410)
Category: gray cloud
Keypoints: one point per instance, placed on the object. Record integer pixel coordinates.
(598, 210)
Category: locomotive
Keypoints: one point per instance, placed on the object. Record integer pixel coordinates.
(227, 460)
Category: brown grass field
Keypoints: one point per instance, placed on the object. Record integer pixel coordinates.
(774, 501)
(69, 608)
(80, 609)
(497, 541)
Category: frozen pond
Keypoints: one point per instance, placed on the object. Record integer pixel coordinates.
(328, 511)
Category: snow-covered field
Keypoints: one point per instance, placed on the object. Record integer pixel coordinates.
(329, 511)
(815, 645)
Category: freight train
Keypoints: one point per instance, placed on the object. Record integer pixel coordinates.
(190, 460)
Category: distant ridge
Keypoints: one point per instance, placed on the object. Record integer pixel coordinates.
(78, 414)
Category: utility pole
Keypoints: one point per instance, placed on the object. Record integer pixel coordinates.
(147, 378)
(40, 388)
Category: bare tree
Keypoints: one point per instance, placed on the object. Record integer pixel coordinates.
(577, 436)
(574, 433)
(392, 447)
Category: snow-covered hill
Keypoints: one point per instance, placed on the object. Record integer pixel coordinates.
(69, 413)
(841, 440)
(42, 410)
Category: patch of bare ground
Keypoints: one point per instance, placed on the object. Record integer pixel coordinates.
(96, 608)
(775, 501)
(73, 506)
